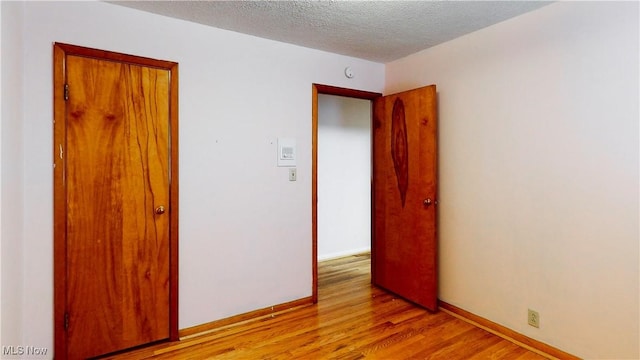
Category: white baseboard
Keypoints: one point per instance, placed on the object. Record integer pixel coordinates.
(336, 255)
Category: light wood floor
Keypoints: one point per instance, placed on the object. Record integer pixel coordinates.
(352, 320)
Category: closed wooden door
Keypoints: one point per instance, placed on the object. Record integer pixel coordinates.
(404, 248)
(115, 176)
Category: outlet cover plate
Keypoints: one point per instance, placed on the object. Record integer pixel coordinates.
(533, 318)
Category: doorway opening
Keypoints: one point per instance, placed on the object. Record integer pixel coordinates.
(344, 176)
(329, 175)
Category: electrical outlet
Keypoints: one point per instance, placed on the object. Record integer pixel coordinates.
(293, 174)
(533, 318)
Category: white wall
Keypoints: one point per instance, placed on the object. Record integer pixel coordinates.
(539, 172)
(245, 230)
(344, 176)
(11, 173)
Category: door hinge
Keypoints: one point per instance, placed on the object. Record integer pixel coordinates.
(66, 321)
(66, 92)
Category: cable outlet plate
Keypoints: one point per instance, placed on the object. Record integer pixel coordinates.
(533, 318)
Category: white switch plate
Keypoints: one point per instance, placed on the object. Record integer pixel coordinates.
(292, 174)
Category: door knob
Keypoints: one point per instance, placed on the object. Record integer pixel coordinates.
(160, 210)
(427, 202)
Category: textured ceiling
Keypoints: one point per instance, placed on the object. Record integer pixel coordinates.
(379, 31)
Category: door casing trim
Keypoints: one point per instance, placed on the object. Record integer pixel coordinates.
(339, 91)
(60, 52)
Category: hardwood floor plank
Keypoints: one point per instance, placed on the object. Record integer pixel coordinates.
(500, 351)
(352, 320)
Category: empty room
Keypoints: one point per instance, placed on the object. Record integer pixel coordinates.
(174, 181)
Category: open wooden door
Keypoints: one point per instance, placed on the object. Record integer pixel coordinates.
(404, 248)
(115, 197)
